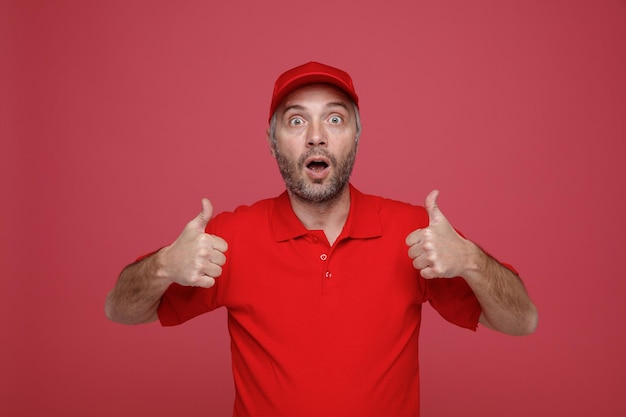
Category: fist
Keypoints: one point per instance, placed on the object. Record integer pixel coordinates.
(195, 258)
(438, 251)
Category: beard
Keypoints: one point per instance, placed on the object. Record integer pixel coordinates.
(316, 192)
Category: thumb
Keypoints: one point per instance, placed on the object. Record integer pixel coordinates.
(205, 215)
(431, 206)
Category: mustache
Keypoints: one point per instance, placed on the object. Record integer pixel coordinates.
(317, 152)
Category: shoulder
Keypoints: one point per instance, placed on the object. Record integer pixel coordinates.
(250, 216)
(393, 211)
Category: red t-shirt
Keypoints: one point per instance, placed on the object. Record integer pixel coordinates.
(320, 330)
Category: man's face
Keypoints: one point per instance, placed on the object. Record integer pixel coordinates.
(315, 142)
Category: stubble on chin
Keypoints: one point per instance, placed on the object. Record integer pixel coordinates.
(320, 191)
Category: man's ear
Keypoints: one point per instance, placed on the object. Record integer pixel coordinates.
(270, 142)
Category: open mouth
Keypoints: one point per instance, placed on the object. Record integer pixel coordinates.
(317, 165)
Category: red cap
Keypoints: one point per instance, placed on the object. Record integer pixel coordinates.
(311, 73)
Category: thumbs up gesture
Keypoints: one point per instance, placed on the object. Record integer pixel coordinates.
(438, 251)
(195, 258)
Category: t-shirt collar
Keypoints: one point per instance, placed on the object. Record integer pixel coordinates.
(363, 219)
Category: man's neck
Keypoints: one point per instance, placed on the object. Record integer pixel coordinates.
(329, 216)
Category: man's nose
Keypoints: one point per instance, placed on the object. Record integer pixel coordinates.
(316, 135)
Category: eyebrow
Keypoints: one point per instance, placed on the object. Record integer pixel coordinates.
(338, 103)
(300, 107)
(293, 107)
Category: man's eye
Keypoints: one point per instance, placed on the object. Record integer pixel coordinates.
(335, 119)
(296, 121)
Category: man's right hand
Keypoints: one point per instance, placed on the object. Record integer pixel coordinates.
(195, 258)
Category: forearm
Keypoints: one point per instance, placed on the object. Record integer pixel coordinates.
(506, 306)
(137, 293)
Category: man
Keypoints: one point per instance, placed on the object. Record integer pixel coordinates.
(323, 284)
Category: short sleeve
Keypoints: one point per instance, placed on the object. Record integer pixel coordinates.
(180, 303)
(454, 300)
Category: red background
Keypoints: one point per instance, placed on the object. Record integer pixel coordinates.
(117, 117)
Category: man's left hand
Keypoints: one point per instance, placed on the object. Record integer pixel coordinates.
(438, 251)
